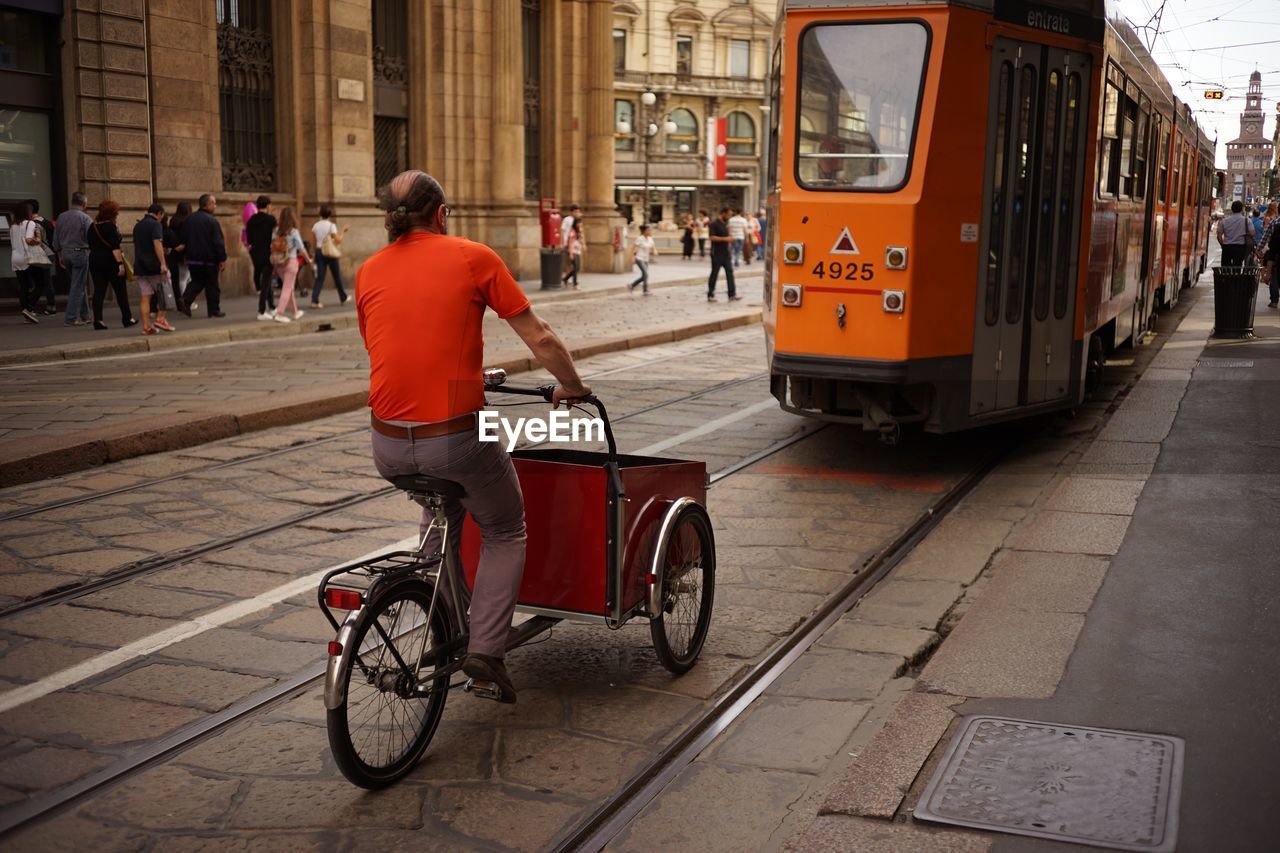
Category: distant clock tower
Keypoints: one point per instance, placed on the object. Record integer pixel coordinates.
(1249, 155)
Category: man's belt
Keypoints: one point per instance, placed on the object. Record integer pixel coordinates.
(462, 423)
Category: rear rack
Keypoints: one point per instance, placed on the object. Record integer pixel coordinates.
(363, 576)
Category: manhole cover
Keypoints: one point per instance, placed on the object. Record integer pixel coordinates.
(1224, 362)
(1069, 783)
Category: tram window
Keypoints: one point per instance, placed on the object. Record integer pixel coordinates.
(1163, 177)
(1109, 168)
(1140, 150)
(1066, 200)
(775, 116)
(995, 252)
(1128, 131)
(1048, 194)
(860, 88)
(1018, 236)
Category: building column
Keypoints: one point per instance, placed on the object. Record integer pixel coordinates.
(602, 217)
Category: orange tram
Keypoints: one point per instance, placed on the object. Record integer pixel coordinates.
(970, 203)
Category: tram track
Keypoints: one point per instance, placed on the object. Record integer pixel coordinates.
(17, 816)
(307, 444)
(158, 562)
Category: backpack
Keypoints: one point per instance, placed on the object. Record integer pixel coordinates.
(279, 251)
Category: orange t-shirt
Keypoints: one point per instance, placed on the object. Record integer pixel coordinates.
(420, 302)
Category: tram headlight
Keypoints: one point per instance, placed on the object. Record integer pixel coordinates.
(792, 295)
(793, 253)
(895, 258)
(894, 301)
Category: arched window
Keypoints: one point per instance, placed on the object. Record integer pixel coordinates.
(686, 132)
(741, 134)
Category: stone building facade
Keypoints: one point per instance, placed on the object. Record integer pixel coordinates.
(1249, 155)
(315, 102)
(702, 59)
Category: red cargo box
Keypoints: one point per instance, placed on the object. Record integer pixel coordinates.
(569, 566)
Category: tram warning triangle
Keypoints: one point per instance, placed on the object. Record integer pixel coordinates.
(844, 244)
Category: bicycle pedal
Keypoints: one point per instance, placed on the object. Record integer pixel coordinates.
(483, 689)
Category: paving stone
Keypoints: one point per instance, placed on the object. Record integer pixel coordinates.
(879, 778)
(789, 733)
(1086, 494)
(239, 651)
(908, 603)
(94, 719)
(82, 625)
(627, 714)
(35, 659)
(24, 585)
(206, 577)
(1003, 653)
(563, 763)
(287, 804)
(47, 544)
(957, 563)
(954, 530)
(187, 686)
(906, 643)
(1121, 452)
(834, 834)
(306, 623)
(166, 798)
(44, 768)
(263, 749)
(118, 526)
(93, 563)
(1073, 533)
(142, 600)
(1115, 471)
(161, 541)
(712, 808)
(791, 578)
(837, 674)
(504, 817)
(74, 833)
(1040, 582)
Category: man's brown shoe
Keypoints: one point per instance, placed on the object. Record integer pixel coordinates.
(492, 671)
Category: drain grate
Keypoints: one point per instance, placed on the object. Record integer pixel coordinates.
(1084, 785)
(1224, 362)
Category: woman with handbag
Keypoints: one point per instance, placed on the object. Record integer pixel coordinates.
(107, 265)
(286, 249)
(27, 294)
(39, 258)
(328, 243)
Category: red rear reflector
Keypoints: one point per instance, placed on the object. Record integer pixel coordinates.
(335, 648)
(650, 577)
(343, 599)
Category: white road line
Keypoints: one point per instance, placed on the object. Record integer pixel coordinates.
(708, 427)
(194, 627)
(170, 636)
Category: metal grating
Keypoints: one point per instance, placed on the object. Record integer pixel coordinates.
(1224, 362)
(1077, 784)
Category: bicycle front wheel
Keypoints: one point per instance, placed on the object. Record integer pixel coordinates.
(395, 687)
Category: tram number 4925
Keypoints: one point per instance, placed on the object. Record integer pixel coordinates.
(845, 272)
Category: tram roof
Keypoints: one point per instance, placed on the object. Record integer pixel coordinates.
(1091, 8)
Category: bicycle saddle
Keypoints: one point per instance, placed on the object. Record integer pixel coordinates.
(424, 485)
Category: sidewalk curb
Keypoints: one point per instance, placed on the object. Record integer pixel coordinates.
(37, 459)
(251, 331)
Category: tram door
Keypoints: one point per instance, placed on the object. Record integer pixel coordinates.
(1031, 226)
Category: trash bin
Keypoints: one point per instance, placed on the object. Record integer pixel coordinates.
(552, 269)
(1235, 292)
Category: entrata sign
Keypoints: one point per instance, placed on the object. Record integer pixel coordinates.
(717, 149)
(1039, 16)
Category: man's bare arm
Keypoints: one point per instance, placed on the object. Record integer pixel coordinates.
(551, 353)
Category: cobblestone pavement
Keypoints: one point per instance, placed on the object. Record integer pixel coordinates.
(594, 705)
(87, 397)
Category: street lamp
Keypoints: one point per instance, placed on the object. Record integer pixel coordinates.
(649, 129)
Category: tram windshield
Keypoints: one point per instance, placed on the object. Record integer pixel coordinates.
(859, 102)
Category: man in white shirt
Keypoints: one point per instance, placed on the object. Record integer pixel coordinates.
(566, 225)
(738, 231)
(641, 251)
(1235, 235)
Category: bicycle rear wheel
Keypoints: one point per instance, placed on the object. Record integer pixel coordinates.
(384, 725)
(688, 591)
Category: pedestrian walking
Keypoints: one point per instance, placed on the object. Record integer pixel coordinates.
(566, 224)
(151, 268)
(328, 245)
(686, 237)
(71, 242)
(1235, 235)
(286, 252)
(42, 262)
(179, 273)
(259, 231)
(18, 260)
(1264, 232)
(700, 232)
(721, 241)
(206, 257)
(107, 264)
(751, 246)
(574, 248)
(763, 218)
(1271, 264)
(738, 231)
(641, 252)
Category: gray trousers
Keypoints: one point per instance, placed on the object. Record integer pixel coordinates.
(493, 499)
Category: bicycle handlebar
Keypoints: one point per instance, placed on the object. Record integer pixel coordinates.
(546, 391)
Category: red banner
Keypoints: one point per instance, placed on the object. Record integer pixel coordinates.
(717, 149)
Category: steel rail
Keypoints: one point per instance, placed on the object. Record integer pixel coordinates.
(157, 562)
(307, 444)
(16, 816)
